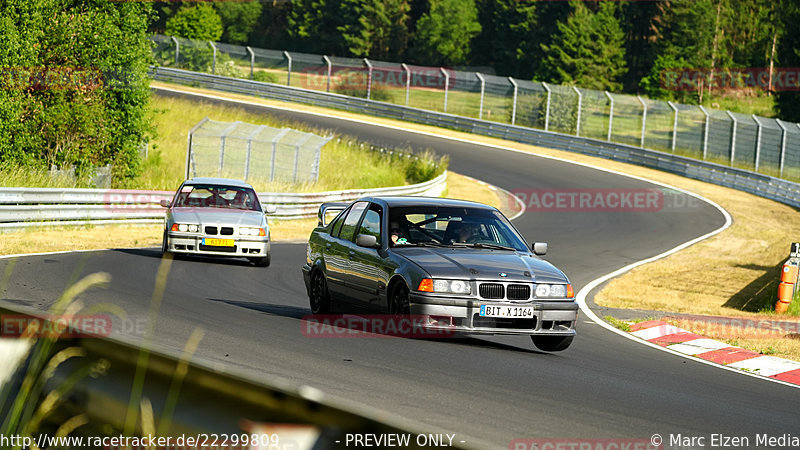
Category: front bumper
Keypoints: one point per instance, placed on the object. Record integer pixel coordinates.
(244, 247)
(554, 318)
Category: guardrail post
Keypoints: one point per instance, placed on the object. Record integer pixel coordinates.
(610, 114)
(547, 107)
(580, 103)
(446, 85)
(514, 103)
(644, 119)
(733, 136)
(330, 70)
(705, 131)
(758, 140)
(783, 144)
(177, 49)
(483, 89)
(214, 61)
(369, 77)
(252, 61)
(189, 157)
(408, 80)
(275, 141)
(674, 125)
(288, 67)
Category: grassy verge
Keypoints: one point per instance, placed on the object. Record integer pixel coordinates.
(51, 239)
(732, 274)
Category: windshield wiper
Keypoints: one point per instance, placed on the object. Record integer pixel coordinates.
(482, 245)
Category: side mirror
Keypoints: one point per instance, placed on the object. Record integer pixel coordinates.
(164, 203)
(539, 248)
(270, 209)
(366, 240)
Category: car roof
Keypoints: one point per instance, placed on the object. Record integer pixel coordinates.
(404, 201)
(217, 181)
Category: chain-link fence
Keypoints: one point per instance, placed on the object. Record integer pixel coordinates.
(764, 145)
(257, 154)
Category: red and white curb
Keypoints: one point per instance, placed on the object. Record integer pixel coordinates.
(688, 343)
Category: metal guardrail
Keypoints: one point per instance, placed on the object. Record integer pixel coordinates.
(25, 207)
(762, 185)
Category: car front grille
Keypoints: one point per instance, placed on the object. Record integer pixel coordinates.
(497, 291)
(214, 248)
(226, 231)
(497, 322)
(211, 230)
(491, 290)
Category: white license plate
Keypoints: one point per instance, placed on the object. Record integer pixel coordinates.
(511, 312)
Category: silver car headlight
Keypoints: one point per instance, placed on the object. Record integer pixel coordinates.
(451, 287)
(553, 290)
(247, 231)
(185, 227)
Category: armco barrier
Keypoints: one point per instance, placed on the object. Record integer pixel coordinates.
(762, 185)
(23, 207)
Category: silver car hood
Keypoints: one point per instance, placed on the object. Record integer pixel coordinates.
(482, 264)
(218, 216)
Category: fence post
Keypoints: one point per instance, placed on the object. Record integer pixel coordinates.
(252, 61)
(330, 69)
(674, 125)
(275, 141)
(610, 114)
(446, 85)
(222, 138)
(288, 68)
(705, 131)
(249, 150)
(214, 61)
(758, 140)
(177, 49)
(408, 80)
(733, 136)
(644, 119)
(189, 156)
(514, 105)
(297, 152)
(783, 144)
(547, 107)
(369, 76)
(483, 89)
(580, 103)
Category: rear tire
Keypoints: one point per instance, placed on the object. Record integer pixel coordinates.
(319, 298)
(552, 343)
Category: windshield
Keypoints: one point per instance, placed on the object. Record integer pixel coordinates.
(452, 227)
(217, 196)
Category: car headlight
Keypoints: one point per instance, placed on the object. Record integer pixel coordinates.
(554, 290)
(185, 227)
(246, 231)
(445, 286)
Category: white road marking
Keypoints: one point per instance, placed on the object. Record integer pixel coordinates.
(766, 365)
(697, 346)
(657, 332)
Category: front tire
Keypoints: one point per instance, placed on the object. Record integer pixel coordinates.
(398, 301)
(552, 343)
(262, 262)
(164, 245)
(318, 297)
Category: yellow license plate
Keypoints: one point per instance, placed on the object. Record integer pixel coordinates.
(214, 242)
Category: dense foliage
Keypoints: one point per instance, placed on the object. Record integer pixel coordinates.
(630, 46)
(75, 89)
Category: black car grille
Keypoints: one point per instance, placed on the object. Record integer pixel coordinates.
(491, 290)
(214, 248)
(211, 230)
(518, 292)
(497, 322)
(226, 231)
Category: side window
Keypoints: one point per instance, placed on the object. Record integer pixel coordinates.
(372, 222)
(349, 224)
(337, 224)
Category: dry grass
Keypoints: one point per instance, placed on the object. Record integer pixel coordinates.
(53, 239)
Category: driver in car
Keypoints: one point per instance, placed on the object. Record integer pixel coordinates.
(467, 232)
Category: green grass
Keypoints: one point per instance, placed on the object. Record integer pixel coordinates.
(617, 323)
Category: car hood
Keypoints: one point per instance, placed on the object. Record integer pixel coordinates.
(482, 264)
(217, 216)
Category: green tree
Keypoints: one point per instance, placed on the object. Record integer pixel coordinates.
(200, 21)
(313, 26)
(238, 20)
(589, 49)
(787, 98)
(444, 34)
(507, 40)
(376, 28)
